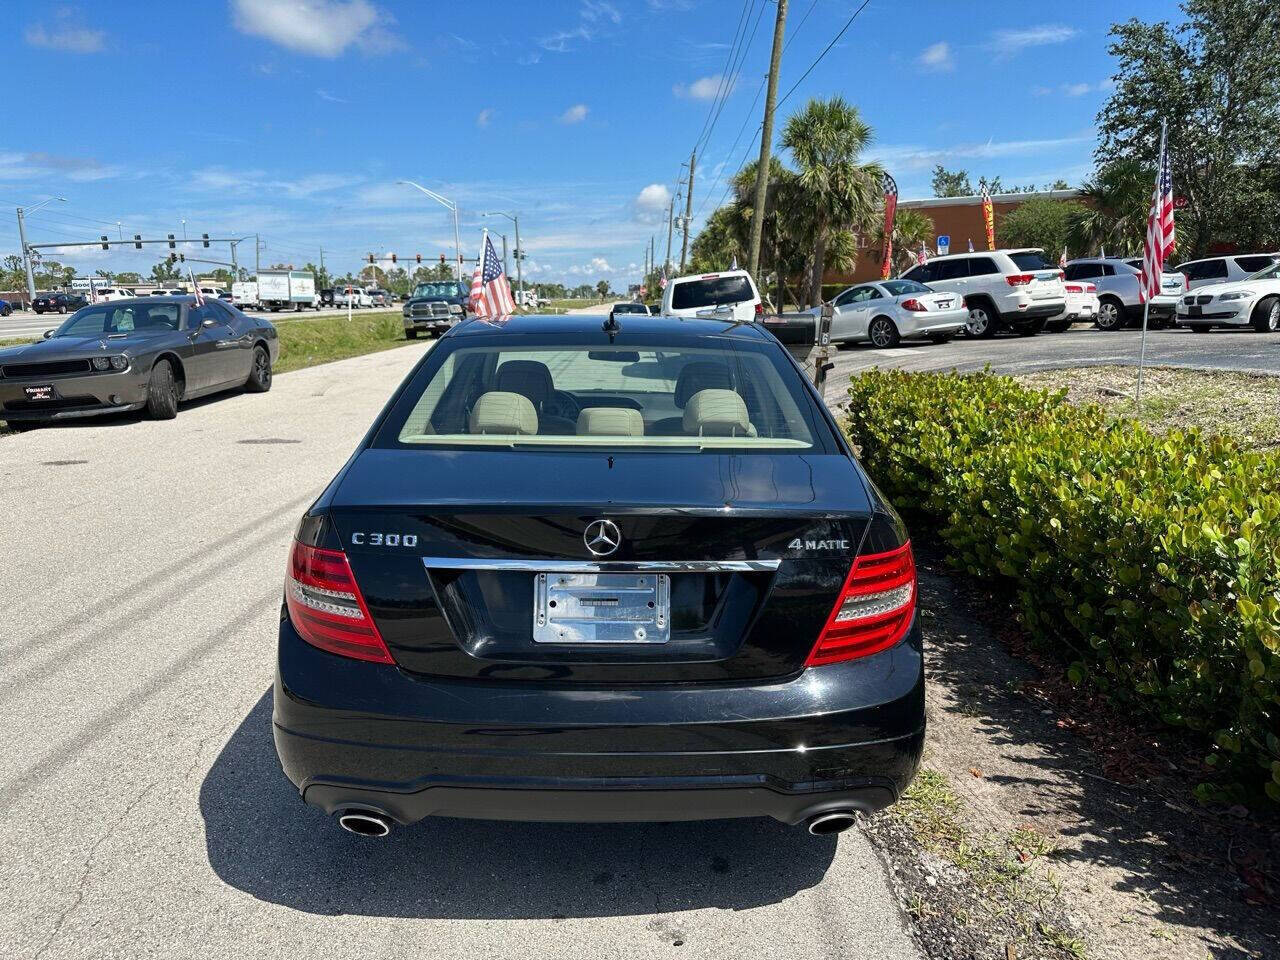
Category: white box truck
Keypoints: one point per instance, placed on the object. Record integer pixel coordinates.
(287, 289)
(244, 294)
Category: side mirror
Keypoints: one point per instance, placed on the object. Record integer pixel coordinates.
(208, 323)
(48, 334)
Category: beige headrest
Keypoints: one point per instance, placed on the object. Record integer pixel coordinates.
(503, 413)
(610, 422)
(717, 413)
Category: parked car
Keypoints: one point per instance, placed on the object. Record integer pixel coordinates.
(107, 294)
(1119, 281)
(147, 353)
(379, 298)
(487, 617)
(434, 307)
(620, 309)
(728, 295)
(1251, 302)
(6, 308)
(887, 311)
(58, 302)
(1016, 290)
(172, 292)
(1082, 304)
(326, 297)
(1225, 269)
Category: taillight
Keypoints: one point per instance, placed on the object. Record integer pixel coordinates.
(1074, 288)
(1062, 274)
(1091, 288)
(759, 309)
(1186, 283)
(326, 607)
(1019, 279)
(914, 305)
(874, 608)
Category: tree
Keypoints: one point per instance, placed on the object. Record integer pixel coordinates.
(12, 274)
(826, 139)
(164, 273)
(602, 289)
(103, 275)
(1039, 222)
(1215, 78)
(321, 274)
(128, 277)
(1117, 200)
(951, 183)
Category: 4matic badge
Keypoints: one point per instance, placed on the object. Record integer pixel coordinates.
(798, 544)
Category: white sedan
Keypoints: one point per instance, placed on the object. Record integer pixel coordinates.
(887, 311)
(1254, 301)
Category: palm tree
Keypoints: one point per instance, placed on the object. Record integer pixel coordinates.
(911, 230)
(839, 193)
(1118, 198)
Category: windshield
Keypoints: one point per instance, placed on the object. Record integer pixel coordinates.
(1267, 273)
(449, 289)
(898, 287)
(125, 318)
(710, 292)
(652, 397)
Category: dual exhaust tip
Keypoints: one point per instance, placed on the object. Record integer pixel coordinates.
(368, 823)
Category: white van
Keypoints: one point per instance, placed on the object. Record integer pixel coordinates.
(728, 295)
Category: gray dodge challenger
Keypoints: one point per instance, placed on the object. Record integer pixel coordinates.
(146, 353)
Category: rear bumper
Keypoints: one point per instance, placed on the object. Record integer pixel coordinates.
(944, 321)
(353, 734)
(1034, 310)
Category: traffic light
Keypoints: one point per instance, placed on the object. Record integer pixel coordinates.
(418, 256)
(371, 258)
(393, 258)
(137, 241)
(172, 245)
(173, 258)
(105, 244)
(182, 257)
(205, 237)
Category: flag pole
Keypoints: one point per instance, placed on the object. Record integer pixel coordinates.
(1146, 294)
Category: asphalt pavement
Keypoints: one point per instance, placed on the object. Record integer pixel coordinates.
(142, 809)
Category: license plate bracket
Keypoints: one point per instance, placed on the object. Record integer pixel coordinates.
(601, 608)
(40, 392)
(1196, 311)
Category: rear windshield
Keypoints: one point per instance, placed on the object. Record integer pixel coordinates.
(1032, 260)
(710, 292)
(898, 287)
(649, 396)
(630, 308)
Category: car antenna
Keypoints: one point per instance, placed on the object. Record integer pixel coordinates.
(611, 326)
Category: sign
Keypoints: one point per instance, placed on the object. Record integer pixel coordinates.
(1180, 203)
(890, 212)
(944, 244)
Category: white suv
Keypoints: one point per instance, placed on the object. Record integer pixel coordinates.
(1017, 290)
(729, 295)
(1225, 269)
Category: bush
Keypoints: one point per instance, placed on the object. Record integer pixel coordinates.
(1149, 563)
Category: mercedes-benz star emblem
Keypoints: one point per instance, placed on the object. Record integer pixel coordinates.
(602, 537)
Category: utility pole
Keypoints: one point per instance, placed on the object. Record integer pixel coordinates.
(257, 256)
(766, 142)
(26, 259)
(519, 259)
(671, 216)
(688, 211)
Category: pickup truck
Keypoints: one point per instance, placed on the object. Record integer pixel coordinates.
(434, 307)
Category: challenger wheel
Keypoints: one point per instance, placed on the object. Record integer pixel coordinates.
(162, 392)
(260, 375)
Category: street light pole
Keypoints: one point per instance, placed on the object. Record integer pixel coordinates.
(449, 205)
(514, 218)
(26, 251)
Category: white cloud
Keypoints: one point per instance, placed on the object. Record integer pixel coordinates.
(484, 117)
(322, 28)
(937, 57)
(704, 88)
(1076, 89)
(1073, 89)
(1014, 41)
(651, 203)
(594, 11)
(326, 95)
(595, 17)
(910, 157)
(600, 265)
(575, 114)
(66, 35)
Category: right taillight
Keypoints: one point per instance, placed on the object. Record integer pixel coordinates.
(326, 607)
(874, 608)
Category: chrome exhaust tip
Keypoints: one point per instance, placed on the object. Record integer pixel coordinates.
(834, 821)
(365, 823)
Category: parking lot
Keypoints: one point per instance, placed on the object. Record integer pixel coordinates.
(144, 811)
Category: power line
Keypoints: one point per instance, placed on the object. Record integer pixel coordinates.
(729, 152)
(724, 73)
(825, 51)
(736, 73)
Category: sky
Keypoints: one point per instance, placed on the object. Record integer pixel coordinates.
(294, 119)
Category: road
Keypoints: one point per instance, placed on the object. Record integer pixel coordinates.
(1081, 346)
(29, 324)
(142, 810)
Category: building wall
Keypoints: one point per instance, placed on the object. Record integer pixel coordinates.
(958, 217)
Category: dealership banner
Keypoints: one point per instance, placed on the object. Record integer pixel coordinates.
(989, 218)
(890, 214)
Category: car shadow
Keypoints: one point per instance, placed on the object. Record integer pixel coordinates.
(260, 838)
(136, 416)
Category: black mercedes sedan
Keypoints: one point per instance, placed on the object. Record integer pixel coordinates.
(594, 569)
(145, 353)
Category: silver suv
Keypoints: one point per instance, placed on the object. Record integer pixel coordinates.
(1018, 290)
(1118, 281)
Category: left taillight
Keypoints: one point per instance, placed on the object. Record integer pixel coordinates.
(759, 310)
(914, 305)
(874, 609)
(326, 607)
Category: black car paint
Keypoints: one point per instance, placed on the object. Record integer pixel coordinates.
(58, 302)
(206, 360)
(473, 720)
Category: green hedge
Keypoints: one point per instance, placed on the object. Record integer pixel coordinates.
(1149, 563)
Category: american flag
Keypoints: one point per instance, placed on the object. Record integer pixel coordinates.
(923, 255)
(490, 290)
(195, 288)
(1160, 233)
